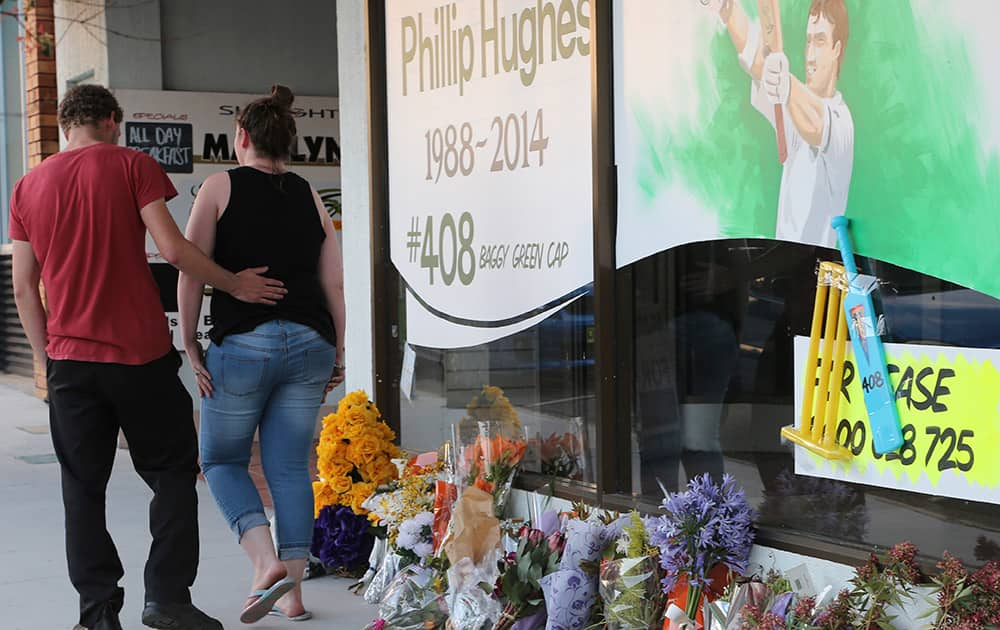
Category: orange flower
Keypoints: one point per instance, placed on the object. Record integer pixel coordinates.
(379, 470)
(330, 419)
(323, 496)
(355, 416)
(325, 449)
(332, 433)
(474, 452)
(369, 446)
(354, 455)
(354, 430)
(340, 450)
(394, 451)
(335, 467)
(359, 494)
(341, 484)
(507, 451)
(484, 485)
(369, 471)
(355, 399)
(385, 432)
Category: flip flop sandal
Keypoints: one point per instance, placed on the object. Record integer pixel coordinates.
(266, 599)
(305, 616)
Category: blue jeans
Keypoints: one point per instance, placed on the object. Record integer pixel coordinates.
(271, 379)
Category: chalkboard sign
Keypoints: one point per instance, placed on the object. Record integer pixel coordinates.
(170, 144)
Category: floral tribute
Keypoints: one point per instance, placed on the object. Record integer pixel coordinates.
(493, 445)
(401, 500)
(880, 588)
(355, 454)
(341, 539)
(965, 601)
(519, 587)
(354, 457)
(401, 514)
(630, 575)
(705, 526)
(562, 456)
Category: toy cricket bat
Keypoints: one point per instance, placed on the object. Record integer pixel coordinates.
(869, 356)
(770, 25)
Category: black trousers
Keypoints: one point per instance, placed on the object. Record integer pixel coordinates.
(88, 403)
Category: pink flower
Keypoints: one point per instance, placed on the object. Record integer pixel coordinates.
(803, 608)
(556, 542)
(535, 537)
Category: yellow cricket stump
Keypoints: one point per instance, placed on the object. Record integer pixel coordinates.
(817, 430)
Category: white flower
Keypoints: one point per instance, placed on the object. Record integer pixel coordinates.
(410, 527)
(424, 519)
(423, 550)
(407, 540)
(622, 544)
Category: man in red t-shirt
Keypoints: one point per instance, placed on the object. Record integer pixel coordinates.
(78, 222)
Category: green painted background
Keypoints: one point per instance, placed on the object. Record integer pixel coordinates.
(924, 193)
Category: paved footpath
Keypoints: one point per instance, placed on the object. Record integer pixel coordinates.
(34, 589)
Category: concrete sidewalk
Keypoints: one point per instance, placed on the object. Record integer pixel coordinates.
(36, 592)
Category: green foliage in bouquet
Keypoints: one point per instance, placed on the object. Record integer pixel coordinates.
(521, 571)
(630, 579)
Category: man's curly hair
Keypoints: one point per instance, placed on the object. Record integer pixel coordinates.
(84, 105)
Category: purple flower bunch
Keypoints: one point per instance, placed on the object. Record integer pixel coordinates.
(341, 538)
(706, 525)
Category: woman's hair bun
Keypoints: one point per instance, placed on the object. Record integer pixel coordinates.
(281, 95)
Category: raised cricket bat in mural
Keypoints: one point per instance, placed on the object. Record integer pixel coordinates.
(869, 356)
(770, 27)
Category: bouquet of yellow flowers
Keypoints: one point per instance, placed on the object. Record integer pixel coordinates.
(355, 456)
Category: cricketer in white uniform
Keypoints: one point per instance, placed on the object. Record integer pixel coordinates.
(819, 130)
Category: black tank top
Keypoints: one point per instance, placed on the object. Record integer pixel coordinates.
(271, 221)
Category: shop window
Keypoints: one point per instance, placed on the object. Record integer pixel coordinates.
(714, 376)
(547, 374)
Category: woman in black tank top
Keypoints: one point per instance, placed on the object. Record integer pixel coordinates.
(269, 366)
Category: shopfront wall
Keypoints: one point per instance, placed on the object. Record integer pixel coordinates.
(640, 295)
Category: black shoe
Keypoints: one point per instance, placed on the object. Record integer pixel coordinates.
(107, 621)
(177, 617)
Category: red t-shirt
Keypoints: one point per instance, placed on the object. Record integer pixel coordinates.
(79, 209)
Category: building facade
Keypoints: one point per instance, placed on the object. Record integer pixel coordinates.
(588, 205)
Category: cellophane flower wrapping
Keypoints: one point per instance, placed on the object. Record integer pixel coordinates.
(571, 592)
(570, 595)
(472, 546)
(491, 443)
(379, 583)
(415, 600)
(630, 585)
(491, 461)
(562, 454)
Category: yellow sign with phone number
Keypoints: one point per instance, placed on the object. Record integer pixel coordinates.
(949, 409)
